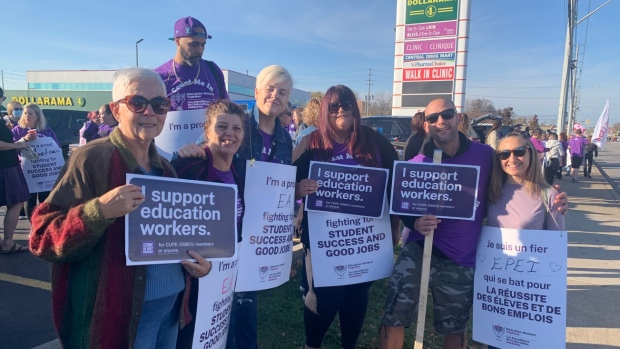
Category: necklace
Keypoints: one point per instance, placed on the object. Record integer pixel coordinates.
(178, 79)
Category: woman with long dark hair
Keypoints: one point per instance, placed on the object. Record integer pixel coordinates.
(340, 138)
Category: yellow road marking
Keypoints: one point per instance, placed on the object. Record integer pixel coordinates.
(25, 281)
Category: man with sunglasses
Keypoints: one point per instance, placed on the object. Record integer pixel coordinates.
(192, 83)
(454, 242)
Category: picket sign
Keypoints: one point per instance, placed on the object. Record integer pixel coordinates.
(426, 270)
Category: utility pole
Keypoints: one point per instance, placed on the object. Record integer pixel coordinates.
(563, 124)
(2, 78)
(368, 95)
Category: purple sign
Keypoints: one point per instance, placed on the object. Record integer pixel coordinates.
(179, 215)
(446, 191)
(430, 30)
(430, 46)
(354, 190)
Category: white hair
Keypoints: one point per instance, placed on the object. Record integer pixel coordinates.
(274, 74)
(124, 77)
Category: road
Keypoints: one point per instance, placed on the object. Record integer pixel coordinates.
(593, 314)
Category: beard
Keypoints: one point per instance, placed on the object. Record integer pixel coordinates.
(445, 138)
(190, 60)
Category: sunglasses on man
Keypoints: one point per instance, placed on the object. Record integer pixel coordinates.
(334, 107)
(138, 104)
(446, 115)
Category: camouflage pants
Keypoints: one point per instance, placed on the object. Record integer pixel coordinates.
(451, 285)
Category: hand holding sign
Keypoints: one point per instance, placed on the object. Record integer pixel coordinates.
(426, 224)
(306, 187)
(200, 268)
(120, 201)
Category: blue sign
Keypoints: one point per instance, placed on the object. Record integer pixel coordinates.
(427, 56)
(446, 191)
(354, 190)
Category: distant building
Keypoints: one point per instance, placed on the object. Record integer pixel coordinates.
(87, 90)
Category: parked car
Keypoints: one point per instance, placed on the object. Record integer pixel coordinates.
(66, 124)
(482, 124)
(396, 129)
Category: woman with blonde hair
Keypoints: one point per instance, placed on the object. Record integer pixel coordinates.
(31, 126)
(310, 118)
(494, 135)
(519, 196)
(14, 111)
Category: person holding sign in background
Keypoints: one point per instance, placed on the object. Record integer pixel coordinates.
(454, 243)
(266, 141)
(224, 135)
(340, 138)
(97, 300)
(31, 126)
(13, 187)
(519, 196)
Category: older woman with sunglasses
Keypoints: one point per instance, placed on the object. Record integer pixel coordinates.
(519, 196)
(340, 138)
(97, 300)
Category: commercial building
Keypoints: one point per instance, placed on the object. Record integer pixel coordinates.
(87, 90)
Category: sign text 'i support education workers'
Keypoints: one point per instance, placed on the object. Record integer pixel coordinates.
(347, 189)
(520, 288)
(443, 190)
(179, 215)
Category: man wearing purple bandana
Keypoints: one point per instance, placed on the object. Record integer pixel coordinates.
(191, 84)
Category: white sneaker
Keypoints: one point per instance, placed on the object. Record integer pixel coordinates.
(21, 218)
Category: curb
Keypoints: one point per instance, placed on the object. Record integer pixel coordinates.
(610, 182)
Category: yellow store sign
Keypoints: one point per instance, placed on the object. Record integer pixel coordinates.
(63, 101)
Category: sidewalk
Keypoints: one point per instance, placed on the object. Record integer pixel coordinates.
(593, 221)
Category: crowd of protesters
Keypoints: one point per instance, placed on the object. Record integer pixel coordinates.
(79, 226)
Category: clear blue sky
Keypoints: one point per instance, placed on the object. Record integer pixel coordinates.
(516, 47)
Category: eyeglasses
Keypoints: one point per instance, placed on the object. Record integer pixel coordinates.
(334, 107)
(138, 104)
(446, 115)
(518, 152)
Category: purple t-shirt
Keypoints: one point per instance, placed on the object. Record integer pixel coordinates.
(576, 145)
(228, 178)
(191, 87)
(268, 145)
(458, 239)
(341, 155)
(20, 132)
(105, 130)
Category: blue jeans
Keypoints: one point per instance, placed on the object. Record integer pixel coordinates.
(159, 323)
(242, 333)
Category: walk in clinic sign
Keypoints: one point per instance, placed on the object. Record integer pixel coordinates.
(430, 53)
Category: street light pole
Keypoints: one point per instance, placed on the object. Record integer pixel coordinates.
(137, 42)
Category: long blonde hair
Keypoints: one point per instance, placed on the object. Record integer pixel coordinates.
(533, 181)
(41, 121)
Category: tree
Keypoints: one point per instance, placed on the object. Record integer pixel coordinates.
(482, 105)
(381, 104)
(507, 114)
(533, 123)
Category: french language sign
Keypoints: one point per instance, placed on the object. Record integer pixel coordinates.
(354, 190)
(42, 174)
(179, 215)
(267, 245)
(349, 249)
(520, 288)
(430, 46)
(215, 300)
(430, 30)
(181, 127)
(443, 190)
